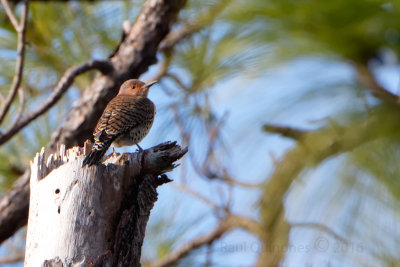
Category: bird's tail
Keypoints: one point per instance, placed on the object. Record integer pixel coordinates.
(94, 157)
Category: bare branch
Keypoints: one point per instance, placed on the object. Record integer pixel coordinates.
(226, 225)
(61, 87)
(227, 178)
(289, 132)
(315, 147)
(21, 107)
(250, 225)
(197, 195)
(204, 170)
(367, 79)
(189, 28)
(10, 15)
(13, 257)
(321, 227)
(14, 207)
(229, 223)
(133, 57)
(162, 71)
(177, 81)
(19, 67)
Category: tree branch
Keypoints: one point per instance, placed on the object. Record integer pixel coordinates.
(133, 57)
(197, 195)
(19, 67)
(367, 79)
(14, 207)
(14, 257)
(314, 148)
(62, 86)
(226, 225)
(203, 20)
(321, 227)
(11, 15)
(288, 132)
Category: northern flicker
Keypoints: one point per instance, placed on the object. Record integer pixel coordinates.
(126, 120)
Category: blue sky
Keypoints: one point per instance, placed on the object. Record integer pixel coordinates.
(288, 94)
(266, 99)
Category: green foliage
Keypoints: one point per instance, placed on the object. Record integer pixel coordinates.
(240, 39)
(380, 159)
(355, 30)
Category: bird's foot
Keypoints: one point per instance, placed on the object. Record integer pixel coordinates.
(139, 148)
(163, 179)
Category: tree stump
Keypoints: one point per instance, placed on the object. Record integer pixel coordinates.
(93, 216)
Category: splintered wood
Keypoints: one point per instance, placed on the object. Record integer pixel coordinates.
(77, 214)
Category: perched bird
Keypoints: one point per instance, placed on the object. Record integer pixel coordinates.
(126, 120)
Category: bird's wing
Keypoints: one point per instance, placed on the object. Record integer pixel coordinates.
(122, 114)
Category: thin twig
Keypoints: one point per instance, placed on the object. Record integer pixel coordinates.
(134, 58)
(19, 67)
(223, 227)
(21, 95)
(250, 225)
(61, 87)
(21, 107)
(204, 170)
(177, 81)
(199, 196)
(163, 68)
(10, 15)
(323, 228)
(289, 132)
(367, 79)
(203, 20)
(226, 225)
(227, 178)
(13, 257)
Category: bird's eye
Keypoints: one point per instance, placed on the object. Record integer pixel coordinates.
(133, 86)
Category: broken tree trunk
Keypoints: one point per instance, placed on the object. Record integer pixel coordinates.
(93, 216)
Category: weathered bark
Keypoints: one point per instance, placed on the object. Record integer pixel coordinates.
(134, 55)
(94, 216)
(14, 207)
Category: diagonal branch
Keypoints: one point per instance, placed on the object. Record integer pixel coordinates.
(19, 67)
(13, 257)
(288, 132)
(190, 191)
(186, 30)
(203, 20)
(321, 227)
(62, 86)
(228, 224)
(367, 79)
(315, 147)
(10, 15)
(134, 56)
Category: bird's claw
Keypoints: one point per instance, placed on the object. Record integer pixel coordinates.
(139, 148)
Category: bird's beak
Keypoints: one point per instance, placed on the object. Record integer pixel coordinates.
(150, 84)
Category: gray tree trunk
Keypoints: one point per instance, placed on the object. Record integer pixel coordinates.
(93, 216)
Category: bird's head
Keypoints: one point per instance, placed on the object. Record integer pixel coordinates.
(135, 87)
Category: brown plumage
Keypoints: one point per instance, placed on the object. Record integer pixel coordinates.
(126, 120)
